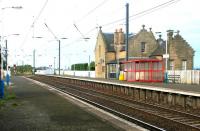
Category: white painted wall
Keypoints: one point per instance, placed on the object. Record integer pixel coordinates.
(67, 72)
(77, 73)
(187, 76)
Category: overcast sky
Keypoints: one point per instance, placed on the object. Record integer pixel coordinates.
(87, 15)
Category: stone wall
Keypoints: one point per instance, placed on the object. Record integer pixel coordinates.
(100, 50)
(179, 50)
(135, 44)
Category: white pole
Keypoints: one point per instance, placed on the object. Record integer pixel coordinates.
(89, 67)
(166, 58)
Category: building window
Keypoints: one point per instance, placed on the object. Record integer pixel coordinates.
(143, 44)
(112, 68)
(184, 65)
(171, 65)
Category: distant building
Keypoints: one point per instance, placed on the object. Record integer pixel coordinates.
(110, 51)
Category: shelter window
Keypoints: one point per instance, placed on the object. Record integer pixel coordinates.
(143, 44)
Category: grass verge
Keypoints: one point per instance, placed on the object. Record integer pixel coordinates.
(8, 95)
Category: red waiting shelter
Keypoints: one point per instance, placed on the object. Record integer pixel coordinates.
(144, 70)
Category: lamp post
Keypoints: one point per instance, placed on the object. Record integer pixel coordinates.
(59, 54)
(58, 39)
(6, 49)
(166, 55)
(88, 63)
(12, 7)
(35, 37)
(87, 38)
(54, 62)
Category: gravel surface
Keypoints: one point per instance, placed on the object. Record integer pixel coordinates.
(37, 109)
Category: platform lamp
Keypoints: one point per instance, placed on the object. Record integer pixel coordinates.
(6, 50)
(166, 55)
(1, 82)
(87, 38)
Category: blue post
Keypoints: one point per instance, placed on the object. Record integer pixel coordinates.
(7, 79)
(166, 77)
(1, 89)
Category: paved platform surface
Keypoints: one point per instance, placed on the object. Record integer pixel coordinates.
(37, 109)
(176, 86)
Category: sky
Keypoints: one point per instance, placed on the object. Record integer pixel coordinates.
(79, 19)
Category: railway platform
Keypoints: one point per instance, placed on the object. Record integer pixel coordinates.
(183, 96)
(37, 108)
(173, 86)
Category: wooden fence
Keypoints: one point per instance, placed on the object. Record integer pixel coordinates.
(187, 76)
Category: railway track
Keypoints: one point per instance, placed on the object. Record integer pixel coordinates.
(159, 118)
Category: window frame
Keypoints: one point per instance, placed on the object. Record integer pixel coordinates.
(184, 64)
(143, 47)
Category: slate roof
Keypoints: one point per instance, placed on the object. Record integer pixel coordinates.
(109, 40)
(160, 50)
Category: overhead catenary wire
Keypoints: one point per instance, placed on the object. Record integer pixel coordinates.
(83, 37)
(33, 23)
(92, 10)
(89, 12)
(135, 16)
(150, 10)
(50, 31)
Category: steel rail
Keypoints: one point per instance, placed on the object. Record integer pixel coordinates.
(170, 116)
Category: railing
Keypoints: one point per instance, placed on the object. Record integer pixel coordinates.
(186, 76)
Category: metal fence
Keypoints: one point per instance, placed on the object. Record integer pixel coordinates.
(186, 76)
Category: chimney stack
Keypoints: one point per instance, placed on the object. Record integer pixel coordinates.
(116, 37)
(119, 37)
(170, 34)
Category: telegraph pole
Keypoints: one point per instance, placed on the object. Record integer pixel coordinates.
(59, 58)
(0, 63)
(89, 67)
(6, 51)
(54, 65)
(127, 29)
(34, 62)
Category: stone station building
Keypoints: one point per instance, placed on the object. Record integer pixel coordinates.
(110, 51)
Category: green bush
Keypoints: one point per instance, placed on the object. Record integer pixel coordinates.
(22, 70)
(83, 66)
(8, 95)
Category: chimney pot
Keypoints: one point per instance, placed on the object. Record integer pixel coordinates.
(100, 27)
(178, 31)
(170, 33)
(143, 26)
(120, 30)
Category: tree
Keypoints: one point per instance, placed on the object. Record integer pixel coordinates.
(92, 66)
(23, 69)
(83, 66)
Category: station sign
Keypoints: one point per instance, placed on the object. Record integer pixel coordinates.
(165, 55)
